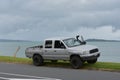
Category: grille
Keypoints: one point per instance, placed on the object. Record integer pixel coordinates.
(93, 51)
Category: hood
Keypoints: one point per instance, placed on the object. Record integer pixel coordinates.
(82, 48)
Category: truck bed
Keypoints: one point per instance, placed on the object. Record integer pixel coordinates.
(31, 50)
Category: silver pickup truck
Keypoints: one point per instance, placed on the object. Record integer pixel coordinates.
(72, 49)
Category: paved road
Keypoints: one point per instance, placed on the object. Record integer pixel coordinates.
(30, 71)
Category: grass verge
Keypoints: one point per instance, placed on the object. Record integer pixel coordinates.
(9, 59)
(106, 66)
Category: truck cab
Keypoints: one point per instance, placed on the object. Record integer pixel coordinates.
(55, 49)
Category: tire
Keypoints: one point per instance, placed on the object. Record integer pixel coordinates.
(37, 60)
(54, 61)
(76, 62)
(92, 61)
(83, 61)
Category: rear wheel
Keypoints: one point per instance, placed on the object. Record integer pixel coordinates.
(83, 61)
(92, 61)
(54, 61)
(76, 62)
(37, 60)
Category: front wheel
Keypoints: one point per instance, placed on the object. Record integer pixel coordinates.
(92, 61)
(37, 60)
(76, 62)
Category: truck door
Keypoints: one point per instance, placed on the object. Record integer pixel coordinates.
(59, 50)
(48, 49)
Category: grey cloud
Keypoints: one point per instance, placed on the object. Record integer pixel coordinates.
(56, 15)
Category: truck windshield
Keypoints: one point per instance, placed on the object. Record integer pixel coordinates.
(71, 42)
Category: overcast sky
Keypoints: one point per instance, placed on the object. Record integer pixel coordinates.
(40, 19)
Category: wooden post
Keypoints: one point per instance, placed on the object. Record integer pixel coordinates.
(16, 51)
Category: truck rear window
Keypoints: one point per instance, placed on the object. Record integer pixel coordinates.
(48, 44)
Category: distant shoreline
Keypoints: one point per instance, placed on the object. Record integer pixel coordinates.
(88, 40)
(101, 40)
(7, 40)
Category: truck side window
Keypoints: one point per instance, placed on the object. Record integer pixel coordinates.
(58, 44)
(48, 44)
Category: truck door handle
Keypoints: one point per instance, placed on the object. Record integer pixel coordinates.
(45, 50)
(54, 50)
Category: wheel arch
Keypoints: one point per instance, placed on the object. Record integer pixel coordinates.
(36, 54)
(74, 55)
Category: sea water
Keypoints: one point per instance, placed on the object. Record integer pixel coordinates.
(10, 48)
(110, 51)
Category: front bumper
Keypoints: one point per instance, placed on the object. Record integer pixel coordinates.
(91, 57)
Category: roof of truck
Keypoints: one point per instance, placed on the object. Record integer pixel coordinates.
(58, 38)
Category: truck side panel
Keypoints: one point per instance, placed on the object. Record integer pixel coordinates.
(29, 52)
